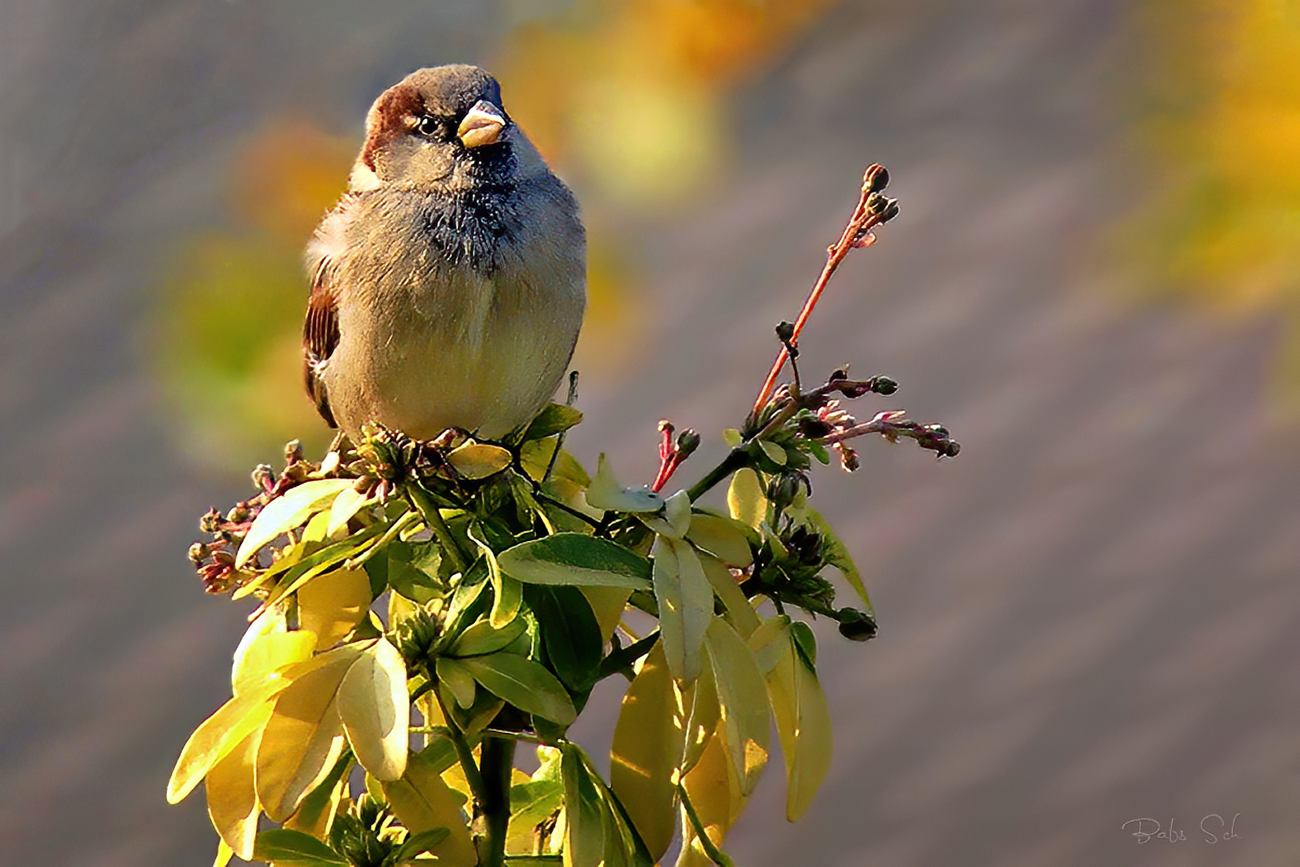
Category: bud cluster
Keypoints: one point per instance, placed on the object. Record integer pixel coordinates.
(214, 559)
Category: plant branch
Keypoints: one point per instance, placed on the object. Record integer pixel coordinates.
(716, 855)
(735, 460)
(872, 210)
(463, 753)
(433, 517)
(498, 758)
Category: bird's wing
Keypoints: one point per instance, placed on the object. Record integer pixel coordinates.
(320, 335)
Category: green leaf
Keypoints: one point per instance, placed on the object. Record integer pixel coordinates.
(524, 683)
(570, 634)
(775, 453)
(531, 804)
(457, 680)
(482, 637)
(585, 824)
(839, 557)
(285, 846)
(412, 570)
(577, 560)
(623, 847)
(555, 418)
(506, 592)
(287, 512)
(685, 600)
(804, 640)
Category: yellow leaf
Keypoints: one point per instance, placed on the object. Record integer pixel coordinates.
(478, 460)
(743, 699)
(287, 512)
(344, 509)
(232, 800)
(803, 724)
(647, 752)
(725, 538)
(220, 733)
(268, 654)
(685, 600)
(224, 854)
(422, 800)
(316, 819)
(746, 498)
(703, 715)
(302, 739)
(715, 794)
(332, 605)
(315, 531)
(607, 603)
(535, 455)
(376, 711)
(739, 611)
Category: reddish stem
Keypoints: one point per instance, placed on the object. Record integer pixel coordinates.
(854, 235)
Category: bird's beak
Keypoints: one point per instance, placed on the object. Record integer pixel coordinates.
(482, 125)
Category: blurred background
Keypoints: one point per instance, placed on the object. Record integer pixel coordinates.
(1091, 616)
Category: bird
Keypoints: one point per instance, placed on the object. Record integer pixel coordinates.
(448, 284)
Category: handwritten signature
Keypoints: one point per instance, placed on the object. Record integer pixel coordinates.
(1214, 829)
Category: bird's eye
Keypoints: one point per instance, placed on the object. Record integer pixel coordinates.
(428, 126)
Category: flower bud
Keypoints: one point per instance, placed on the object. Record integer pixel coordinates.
(856, 625)
(815, 428)
(210, 522)
(263, 477)
(876, 179)
(883, 385)
(687, 442)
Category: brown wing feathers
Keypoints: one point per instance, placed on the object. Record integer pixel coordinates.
(320, 335)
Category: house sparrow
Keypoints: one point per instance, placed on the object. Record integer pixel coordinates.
(448, 283)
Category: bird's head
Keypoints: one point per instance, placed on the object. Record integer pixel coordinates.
(443, 128)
